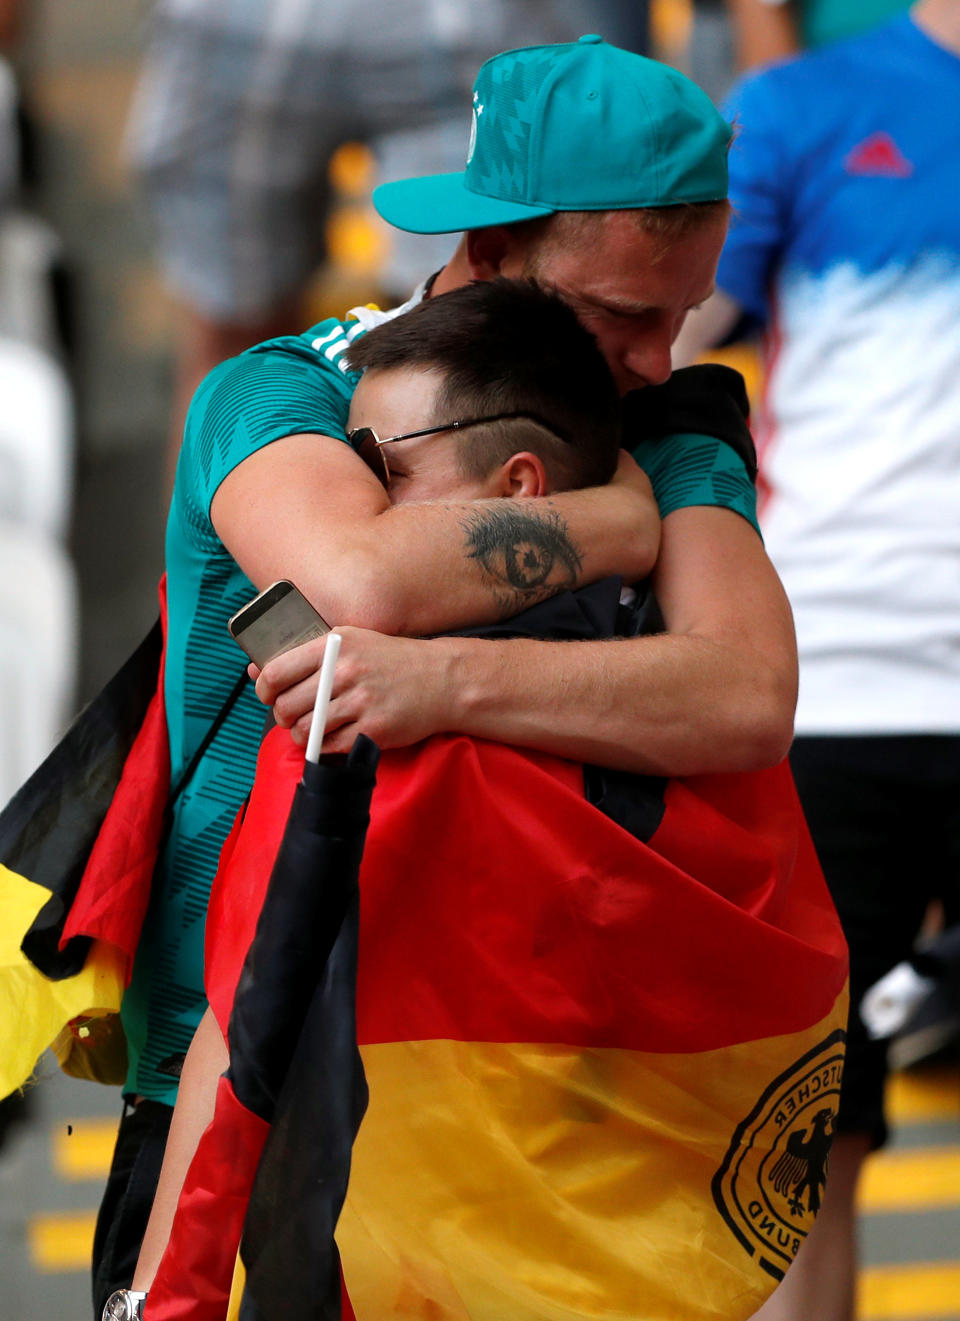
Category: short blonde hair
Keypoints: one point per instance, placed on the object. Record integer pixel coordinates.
(668, 224)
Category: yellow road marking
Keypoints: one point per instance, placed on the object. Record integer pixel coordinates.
(930, 1094)
(891, 1293)
(61, 1242)
(86, 1150)
(910, 1180)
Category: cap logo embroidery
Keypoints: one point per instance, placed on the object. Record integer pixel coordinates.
(474, 120)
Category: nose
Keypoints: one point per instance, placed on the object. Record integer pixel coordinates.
(647, 360)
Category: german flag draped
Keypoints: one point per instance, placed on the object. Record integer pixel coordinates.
(603, 1047)
(602, 1071)
(78, 845)
(585, 1055)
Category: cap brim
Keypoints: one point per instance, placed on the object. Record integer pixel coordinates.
(440, 204)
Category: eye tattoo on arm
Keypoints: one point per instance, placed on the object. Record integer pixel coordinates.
(526, 557)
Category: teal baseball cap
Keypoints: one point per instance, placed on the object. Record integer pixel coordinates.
(583, 126)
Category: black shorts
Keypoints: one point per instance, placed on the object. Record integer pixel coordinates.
(884, 813)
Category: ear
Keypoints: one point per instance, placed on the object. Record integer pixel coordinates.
(491, 252)
(523, 474)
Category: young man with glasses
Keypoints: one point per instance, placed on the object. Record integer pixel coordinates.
(456, 391)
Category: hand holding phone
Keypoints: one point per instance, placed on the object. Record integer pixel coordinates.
(276, 620)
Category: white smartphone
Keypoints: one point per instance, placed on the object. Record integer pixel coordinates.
(276, 620)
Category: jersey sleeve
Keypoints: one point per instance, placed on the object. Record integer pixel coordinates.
(758, 173)
(687, 470)
(280, 388)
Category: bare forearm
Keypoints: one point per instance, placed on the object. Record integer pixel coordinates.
(489, 560)
(205, 1061)
(306, 509)
(715, 692)
(661, 705)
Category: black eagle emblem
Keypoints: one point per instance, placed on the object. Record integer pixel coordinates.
(802, 1168)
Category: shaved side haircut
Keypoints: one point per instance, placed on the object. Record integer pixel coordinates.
(501, 346)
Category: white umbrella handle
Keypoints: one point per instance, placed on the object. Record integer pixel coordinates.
(318, 723)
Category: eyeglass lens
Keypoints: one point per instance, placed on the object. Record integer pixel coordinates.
(364, 442)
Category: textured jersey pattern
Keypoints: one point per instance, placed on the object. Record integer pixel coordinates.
(290, 385)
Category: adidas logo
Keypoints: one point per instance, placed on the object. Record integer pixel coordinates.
(878, 155)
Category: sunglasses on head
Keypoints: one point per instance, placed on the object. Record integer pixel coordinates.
(369, 446)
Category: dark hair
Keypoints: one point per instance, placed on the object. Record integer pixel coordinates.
(509, 346)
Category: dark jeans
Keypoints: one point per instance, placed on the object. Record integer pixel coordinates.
(128, 1198)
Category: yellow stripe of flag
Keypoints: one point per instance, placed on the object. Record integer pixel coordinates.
(539, 1181)
(33, 1009)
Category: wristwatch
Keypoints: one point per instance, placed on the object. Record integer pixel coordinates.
(124, 1305)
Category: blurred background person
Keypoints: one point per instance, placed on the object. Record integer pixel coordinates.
(846, 247)
(766, 30)
(241, 107)
(38, 606)
(731, 36)
(38, 598)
